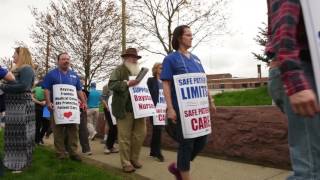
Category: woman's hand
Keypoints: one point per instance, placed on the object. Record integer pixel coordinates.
(171, 114)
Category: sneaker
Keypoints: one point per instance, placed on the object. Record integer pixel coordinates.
(160, 158)
(106, 151)
(136, 165)
(41, 142)
(61, 156)
(114, 150)
(75, 158)
(172, 168)
(128, 169)
(88, 153)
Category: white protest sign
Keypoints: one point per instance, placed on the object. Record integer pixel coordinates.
(311, 13)
(141, 99)
(192, 95)
(65, 103)
(161, 107)
(114, 121)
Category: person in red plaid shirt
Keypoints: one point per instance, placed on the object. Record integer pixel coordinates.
(287, 44)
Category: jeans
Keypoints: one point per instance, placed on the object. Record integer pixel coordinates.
(304, 138)
(188, 148)
(275, 87)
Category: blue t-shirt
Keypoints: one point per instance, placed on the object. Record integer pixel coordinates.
(176, 63)
(3, 72)
(55, 76)
(94, 98)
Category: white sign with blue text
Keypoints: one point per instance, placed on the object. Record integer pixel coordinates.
(311, 14)
(192, 95)
(141, 99)
(161, 107)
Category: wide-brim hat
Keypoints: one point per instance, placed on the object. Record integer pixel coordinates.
(131, 52)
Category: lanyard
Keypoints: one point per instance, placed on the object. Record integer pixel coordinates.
(68, 75)
(184, 64)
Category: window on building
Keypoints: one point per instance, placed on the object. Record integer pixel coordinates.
(244, 85)
(257, 84)
(222, 86)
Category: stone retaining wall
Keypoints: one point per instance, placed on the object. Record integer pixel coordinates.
(251, 134)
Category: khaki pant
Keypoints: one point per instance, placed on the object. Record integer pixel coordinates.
(92, 117)
(60, 132)
(131, 134)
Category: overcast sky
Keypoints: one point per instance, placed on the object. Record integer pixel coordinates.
(229, 53)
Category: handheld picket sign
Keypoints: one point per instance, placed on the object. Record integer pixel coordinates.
(161, 107)
(311, 14)
(141, 99)
(65, 103)
(192, 95)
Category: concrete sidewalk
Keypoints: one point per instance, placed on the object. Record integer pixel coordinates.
(203, 168)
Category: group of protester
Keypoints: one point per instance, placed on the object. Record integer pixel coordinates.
(291, 85)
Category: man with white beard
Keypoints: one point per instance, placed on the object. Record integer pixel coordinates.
(131, 132)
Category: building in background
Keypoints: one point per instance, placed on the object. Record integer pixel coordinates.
(225, 82)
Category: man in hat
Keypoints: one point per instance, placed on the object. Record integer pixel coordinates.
(131, 132)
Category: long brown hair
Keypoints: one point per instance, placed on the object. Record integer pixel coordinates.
(177, 34)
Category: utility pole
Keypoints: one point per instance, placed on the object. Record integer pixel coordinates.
(123, 26)
(48, 44)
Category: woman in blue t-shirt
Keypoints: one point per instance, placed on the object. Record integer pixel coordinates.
(181, 62)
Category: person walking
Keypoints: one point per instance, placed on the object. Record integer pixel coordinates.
(93, 110)
(181, 62)
(155, 85)
(63, 75)
(113, 132)
(288, 45)
(19, 134)
(131, 131)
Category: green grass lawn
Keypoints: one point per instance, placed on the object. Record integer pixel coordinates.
(46, 166)
(250, 97)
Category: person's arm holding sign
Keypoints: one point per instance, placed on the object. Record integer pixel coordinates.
(115, 84)
(83, 99)
(287, 49)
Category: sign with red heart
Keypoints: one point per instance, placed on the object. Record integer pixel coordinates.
(67, 114)
(66, 105)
